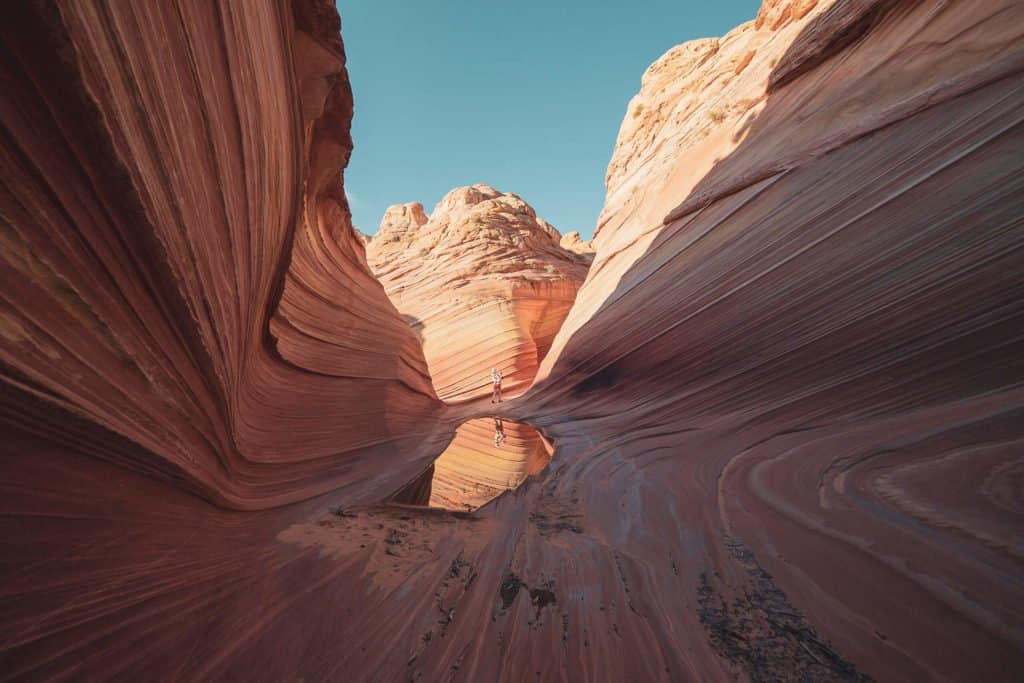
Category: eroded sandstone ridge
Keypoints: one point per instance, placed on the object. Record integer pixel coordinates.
(799, 351)
(786, 403)
(572, 242)
(188, 328)
(484, 281)
(181, 274)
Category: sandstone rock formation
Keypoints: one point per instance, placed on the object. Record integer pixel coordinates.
(786, 404)
(186, 322)
(572, 242)
(798, 351)
(188, 328)
(483, 281)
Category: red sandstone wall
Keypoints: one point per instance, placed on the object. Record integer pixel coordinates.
(786, 403)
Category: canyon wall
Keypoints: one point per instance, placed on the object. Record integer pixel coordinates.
(483, 281)
(188, 329)
(182, 274)
(796, 364)
(786, 402)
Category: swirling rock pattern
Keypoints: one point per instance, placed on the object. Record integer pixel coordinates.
(182, 272)
(188, 329)
(798, 352)
(787, 401)
(484, 282)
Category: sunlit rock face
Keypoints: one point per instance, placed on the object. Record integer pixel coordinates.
(572, 242)
(797, 359)
(484, 283)
(786, 404)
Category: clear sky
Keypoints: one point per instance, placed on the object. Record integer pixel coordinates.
(524, 95)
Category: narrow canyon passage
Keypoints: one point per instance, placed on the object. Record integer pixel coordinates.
(483, 281)
(766, 426)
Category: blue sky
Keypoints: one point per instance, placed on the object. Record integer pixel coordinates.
(524, 95)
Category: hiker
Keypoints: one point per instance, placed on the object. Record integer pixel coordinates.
(496, 378)
(499, 432)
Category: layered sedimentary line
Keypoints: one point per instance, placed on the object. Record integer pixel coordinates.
(483, 281)
(182, 272)
(787, 419)
(804, 321)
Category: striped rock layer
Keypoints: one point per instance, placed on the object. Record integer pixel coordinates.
(484, 283)
(789, 392)
(786, 403)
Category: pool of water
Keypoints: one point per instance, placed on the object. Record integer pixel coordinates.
(487, 457)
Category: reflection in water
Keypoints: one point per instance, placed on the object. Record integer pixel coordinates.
(486, 457)
(499, 432)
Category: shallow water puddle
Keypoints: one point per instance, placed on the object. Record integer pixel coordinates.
(487, 457)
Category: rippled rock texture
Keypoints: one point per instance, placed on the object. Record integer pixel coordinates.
(181, 274)
(484, 282)
(793, 375)
(188, 329)
(786, 403)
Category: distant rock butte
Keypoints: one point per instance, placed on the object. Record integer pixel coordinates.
(483, 281)
(572, 242)
(786, 403)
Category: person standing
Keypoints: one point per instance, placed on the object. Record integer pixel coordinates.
(496, 378)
